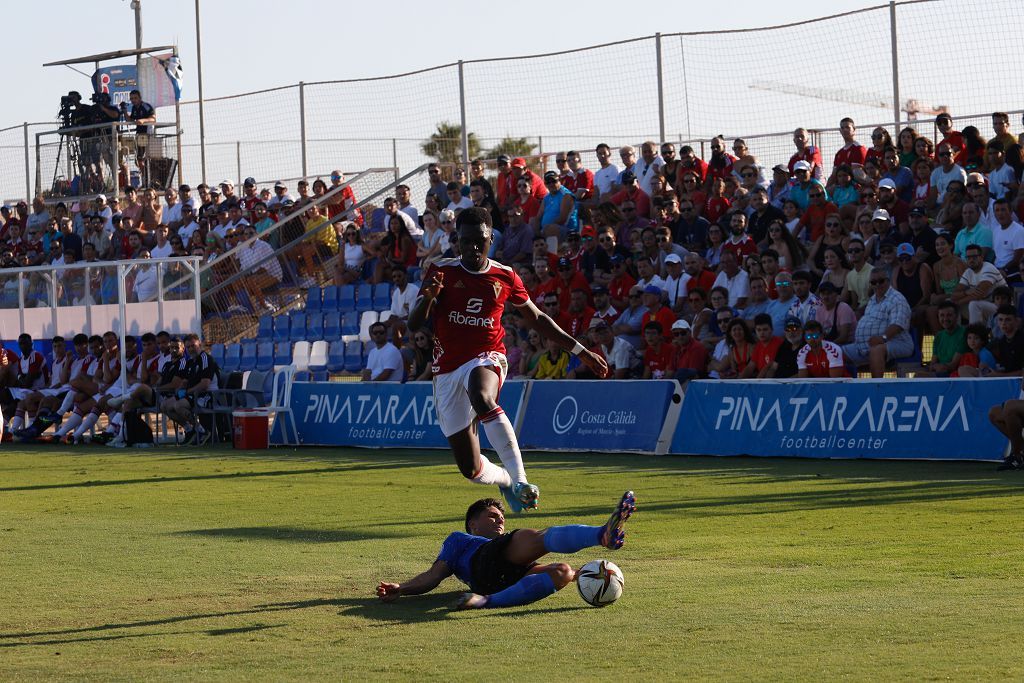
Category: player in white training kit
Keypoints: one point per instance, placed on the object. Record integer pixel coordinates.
(465, 297)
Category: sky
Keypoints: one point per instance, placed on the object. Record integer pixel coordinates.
(257, 44)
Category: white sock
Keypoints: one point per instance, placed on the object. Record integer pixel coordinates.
(491, 474)
(503, 440)
(69, 424)
(87, 422)
(67, 404)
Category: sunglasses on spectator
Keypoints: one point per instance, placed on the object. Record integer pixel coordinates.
(783, 283)
(559, 161)
(867, 194)
(634, 296)
(724, 320)
(420, 338)
(748, 175)
(815, 195)
(792, 327)
(877, 281)
(680, 333)
(945, 154)
(775, 228)
(975, 185)
(812, 336)
(605, 239)
(629, 208)
(832, 224)
(854, 250)
(905, 257)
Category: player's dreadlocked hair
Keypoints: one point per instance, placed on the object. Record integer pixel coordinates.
(481, 505)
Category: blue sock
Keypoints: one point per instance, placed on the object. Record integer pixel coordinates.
(571, 538)
(530, 588)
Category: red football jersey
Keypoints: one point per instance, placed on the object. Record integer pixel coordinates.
(467, 312)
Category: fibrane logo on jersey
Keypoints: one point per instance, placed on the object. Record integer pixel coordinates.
(855, 418)
(470, 320)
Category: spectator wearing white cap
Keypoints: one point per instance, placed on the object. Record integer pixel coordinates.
(280, 195)
(676, 283)
(802, 184)
(227, 195)
(888, 199)
(977, 191)
(901, 177)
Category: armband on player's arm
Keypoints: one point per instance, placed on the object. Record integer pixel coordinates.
(578, 349)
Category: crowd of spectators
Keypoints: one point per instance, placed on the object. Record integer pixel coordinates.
(670, 265)
(667, 264)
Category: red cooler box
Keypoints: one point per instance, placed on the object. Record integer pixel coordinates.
(251, 428)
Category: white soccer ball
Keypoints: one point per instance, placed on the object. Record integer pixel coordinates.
(600, 582)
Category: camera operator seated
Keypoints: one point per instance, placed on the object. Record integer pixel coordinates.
(144, 116)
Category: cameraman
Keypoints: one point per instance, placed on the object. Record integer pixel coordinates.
(97, 143)
(144, 116)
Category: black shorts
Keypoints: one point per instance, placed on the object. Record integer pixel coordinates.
(490, 571)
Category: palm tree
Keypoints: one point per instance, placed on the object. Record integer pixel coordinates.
(514, 147)
(445, 144)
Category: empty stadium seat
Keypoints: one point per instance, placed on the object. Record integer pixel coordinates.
(300, 355)
(298, 330)
(248, 358)
(330, 302)
(313, 301)
(332, 326)
(354, 356)
(282, 331)
(232, 358)
(265, 356)
(382, 296)
(347, 299)
(318, 356)
(314, 326)
(217, 352)
(336, 356)
(320, 376)
(364, 298)
(350, 323)
(365, 320)
(302, 376)
(283, 353)
(265, 332)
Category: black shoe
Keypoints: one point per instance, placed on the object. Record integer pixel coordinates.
(190, 437)
(103, 438)
(1012, 462)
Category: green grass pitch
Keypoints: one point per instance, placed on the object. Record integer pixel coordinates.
(228, 565)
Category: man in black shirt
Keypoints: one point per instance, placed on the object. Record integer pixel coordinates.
(763, 216)
(199, 374)
(792, 342)
(1009, 349)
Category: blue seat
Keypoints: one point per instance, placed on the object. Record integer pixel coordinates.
(265, 331)
(265, 356)
(364, 298)
(282, 330)
(283, 353)
(382, 296)
(330, 302)
(354, 356)
(248, 358)
(320, 376)
(350, 323)
(298, 325)
(302, 376)
(347, 299)
(217, 351)
(414, 274)
(336, 356)
(313, 302)
(332, 326)
(314, 326)
(232, 358)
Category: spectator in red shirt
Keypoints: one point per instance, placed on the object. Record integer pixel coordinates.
(717, 203)
(818, 209)
(700, 277)
(581, 180)
(631, 192)
(689, 358)
(554, 310)
(505, 185)
(520, 171)
(805, 151)
(689, 161)
(577, 317)
(852, 152)
(819, 358)
(622, 281)
(568, 279)
(765, 349)
(658, 356)
(720, 165)
(739, 243)
(527, 202)
(652, 296)
(950, 137)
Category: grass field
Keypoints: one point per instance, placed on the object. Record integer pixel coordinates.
(228, 565)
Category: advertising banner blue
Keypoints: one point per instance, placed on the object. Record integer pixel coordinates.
(117, 80)
(377, 415)
(903, 418)
(595, 416)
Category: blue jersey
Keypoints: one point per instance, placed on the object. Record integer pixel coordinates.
(457, 551)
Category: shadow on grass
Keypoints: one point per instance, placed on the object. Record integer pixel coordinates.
(126, 636)
(294, 534)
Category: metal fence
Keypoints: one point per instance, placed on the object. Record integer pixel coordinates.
(872, 64)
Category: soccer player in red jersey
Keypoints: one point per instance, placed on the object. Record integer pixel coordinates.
(467, 297)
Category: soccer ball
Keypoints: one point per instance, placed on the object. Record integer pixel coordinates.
(600, 582)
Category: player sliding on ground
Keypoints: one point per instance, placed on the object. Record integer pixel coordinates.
(501, 568)
(466, 297)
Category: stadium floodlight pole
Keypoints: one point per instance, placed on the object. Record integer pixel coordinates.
(137, 8)
(199, 84)
(895, 67)
(462, 116)
(28, 171)
(122, 313)
(302, 124)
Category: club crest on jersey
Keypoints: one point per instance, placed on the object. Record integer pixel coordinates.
(459, 285)
(497, 288)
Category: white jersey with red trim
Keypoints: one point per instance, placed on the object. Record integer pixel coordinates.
(467, 312)
(33, 363)
(57, 369)
(86, 365)
(147, 370)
